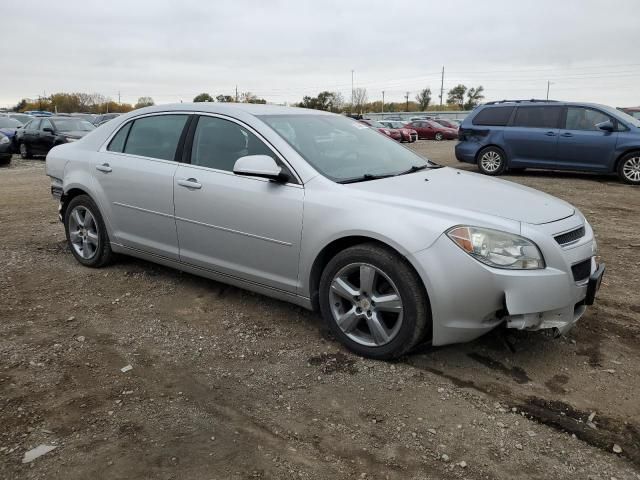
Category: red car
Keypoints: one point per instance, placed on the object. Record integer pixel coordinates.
(408, 135)
(446, 123)
(432, 131)
(389, 132)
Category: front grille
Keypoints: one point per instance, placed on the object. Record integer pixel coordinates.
(582, 270)
(569, 237)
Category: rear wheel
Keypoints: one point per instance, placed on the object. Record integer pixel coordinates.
(629, 168)
(25, 151)
(439, 136)
(86, 233)
(374, 302)
(492, 161)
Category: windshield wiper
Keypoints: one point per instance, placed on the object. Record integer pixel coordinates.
(417, 168)
(365, 178)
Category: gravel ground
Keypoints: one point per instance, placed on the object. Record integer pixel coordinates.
(226, 384)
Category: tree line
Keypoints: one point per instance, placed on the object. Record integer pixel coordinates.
(244, 97)
(79, 102)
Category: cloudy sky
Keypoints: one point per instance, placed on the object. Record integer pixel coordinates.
(282, 50)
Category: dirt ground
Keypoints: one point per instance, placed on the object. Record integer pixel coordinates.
(227, 384)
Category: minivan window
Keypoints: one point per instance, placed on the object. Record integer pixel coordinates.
(156, 137)
(538, 117)
(493, 116)
(117, 142)
(580, 118)
(218, 143)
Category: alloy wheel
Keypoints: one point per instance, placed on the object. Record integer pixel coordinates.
(491, 161)
(366, 305)
(83, 232)
(438, 136)
(23, 150)
(631, 169)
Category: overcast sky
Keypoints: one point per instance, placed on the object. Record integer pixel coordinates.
(283, 50)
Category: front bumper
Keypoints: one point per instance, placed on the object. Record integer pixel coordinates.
(469, 298)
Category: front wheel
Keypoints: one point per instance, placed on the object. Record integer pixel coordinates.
(86, 233)
(629, 168)
(374, 302)
(439, 136)
(492, 161)
(25, 152)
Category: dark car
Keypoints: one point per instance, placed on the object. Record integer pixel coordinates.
(430, 130)
(519, 134)
(407, 134)
(43, 133)
(9, 127)
(6, 149)
(389, 132)
(104, 118)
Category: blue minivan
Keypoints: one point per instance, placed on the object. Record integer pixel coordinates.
(518, 134)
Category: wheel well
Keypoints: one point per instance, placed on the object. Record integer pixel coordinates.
(330, 251)
(631, 150)
(67, 197)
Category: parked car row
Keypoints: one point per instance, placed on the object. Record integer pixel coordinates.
(41, 134)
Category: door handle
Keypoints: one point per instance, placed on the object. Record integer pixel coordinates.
(567, 134)
(104, 168)
(550, 134)
(190, 183)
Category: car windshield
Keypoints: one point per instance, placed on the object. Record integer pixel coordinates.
(6, 122)
(395, 124)
(625, 117)
(375, 124)
(21, 118)
(342, 149)
(73, 125)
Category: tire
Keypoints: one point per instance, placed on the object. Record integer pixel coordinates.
(438, 136)
(401, 321)
(87, 236)
(629, 168)
(492, 161)
(25, 152)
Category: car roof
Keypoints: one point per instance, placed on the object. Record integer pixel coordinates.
(230, 108)
(534, 101)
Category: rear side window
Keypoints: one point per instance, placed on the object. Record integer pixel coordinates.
(580, 118)
(117, 142)
(538, 117)
(156, 137)
(493, 116)
(218, 143)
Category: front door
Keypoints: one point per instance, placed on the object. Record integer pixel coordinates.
(135, 174)
(581, 144)
(245, 227)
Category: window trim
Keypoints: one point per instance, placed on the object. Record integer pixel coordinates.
(188, 146)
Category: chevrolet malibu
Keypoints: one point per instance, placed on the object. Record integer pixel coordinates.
(327, 213)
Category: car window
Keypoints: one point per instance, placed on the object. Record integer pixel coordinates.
(493, 116)
(46, 124)
(581, 118)
(218, 143)
(117, 142)
(156, 137)
(35, 125)
(538, 117)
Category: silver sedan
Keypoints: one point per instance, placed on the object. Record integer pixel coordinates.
(319, 210)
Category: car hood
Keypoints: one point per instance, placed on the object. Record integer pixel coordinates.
(451, 189)
(9, 132)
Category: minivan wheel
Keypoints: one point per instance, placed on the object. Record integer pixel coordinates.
(629, 168)
(491, 161)
(86, 233)
(25, 153)
(373, 302)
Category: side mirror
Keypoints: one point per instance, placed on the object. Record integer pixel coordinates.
(606, 126)
(48, 130)
(262, 166)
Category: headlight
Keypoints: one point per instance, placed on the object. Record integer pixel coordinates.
(4, 140)
(497, 249)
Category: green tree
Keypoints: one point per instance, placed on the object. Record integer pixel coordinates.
(474, 96)
(203, 97)
(225, 98)
(424, 98)
(144, 102)
(456, 96)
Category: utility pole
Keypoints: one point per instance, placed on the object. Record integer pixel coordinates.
(236, 93)
(118, 97)
(352, 90)
(442, 86)
(548, 84)
(407, 97)
(382, 101)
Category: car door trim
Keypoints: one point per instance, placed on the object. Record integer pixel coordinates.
(238, 232)
(125, 205)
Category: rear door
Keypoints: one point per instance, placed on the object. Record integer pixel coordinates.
(245, 227)
(135, 175)
(30, 134)
(581, 144)
(531, 140)
(45, 139)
